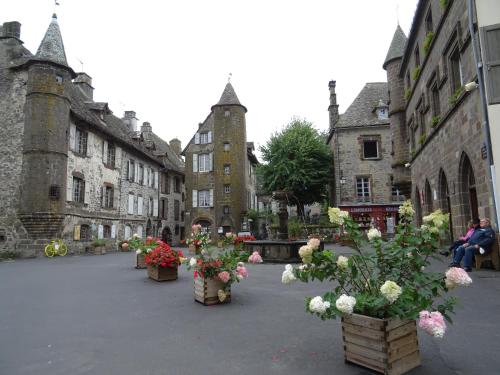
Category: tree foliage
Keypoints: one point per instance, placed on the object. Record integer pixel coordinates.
(296, 160)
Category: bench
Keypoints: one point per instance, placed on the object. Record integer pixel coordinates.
(493, 257)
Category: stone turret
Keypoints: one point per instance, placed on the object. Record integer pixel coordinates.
(333, 108)
(392, 64)
(46, 126)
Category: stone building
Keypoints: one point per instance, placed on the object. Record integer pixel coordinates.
(436, 123)
(70, 169)
(220, 169)
(360, 140)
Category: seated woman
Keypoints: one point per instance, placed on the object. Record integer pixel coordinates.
(473, 225)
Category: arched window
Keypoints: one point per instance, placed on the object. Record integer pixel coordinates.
(444, 198)
(468, 194)
(428, 198)
(418, 206)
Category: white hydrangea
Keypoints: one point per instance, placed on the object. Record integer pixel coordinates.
(373, 233)
(317, 305)
(136, 235)
(192, 262)
(345, 304)
(138, 251)
(305, 253)
(337, 216)
(391, 291)
(406, 209)
(342, 262)
(288, 275)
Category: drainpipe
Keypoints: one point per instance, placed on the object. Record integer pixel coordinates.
(484, 110)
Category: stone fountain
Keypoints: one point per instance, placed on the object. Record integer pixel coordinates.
(281, 250)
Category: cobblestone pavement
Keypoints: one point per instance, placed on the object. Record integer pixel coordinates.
(99, 315)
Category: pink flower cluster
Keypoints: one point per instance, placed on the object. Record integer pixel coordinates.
(241, 271)
(314, 243)
(457, 276)
(432, 323)
(224, 276)
(255, 258)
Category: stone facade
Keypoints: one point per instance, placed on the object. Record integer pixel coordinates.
(444, 140)
(219, 165)
(360, 141)
(65, 161)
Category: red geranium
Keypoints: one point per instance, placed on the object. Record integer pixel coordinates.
(164, 256)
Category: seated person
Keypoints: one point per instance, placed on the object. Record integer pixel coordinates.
(473, 224)
(481, 239)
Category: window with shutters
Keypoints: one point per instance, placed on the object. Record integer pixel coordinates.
(110, 157)
(81, 138)
(78, 190)
(203, 198)
(131, 170)
(131, 198)
(177, 185)
(363, 188)
(177, 209)
(151, 206)
(106, 231)
(85, 234)
(491, 50)
(108, 196)
(165, 183)
(141, 174)
(204, 162)
(164, 208)
(203, 138)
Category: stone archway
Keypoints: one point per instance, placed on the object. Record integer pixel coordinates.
(467, 190)
(166, 235)
(149, 228)
(429, 207)
(418, 206)
(444, 199)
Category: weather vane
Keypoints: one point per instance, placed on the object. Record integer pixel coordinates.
(229, 78)
(397, 13)
(81, 63)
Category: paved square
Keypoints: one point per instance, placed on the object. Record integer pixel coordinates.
(99, 315)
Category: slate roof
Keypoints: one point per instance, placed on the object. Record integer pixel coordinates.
(397, 47)
(229, 97)
(52, 48)
(361, 111)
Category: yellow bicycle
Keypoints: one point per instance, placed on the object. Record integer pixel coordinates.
(56, 247)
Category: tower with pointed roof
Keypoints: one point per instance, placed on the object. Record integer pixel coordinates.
(397, 105)
(45, 143)
(220, 168)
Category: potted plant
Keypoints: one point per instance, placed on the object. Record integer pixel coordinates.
(123, 246)
(294, 229)
(382, 291)
(162, 262)
(199, 239)
(99, 246)
(142, 248)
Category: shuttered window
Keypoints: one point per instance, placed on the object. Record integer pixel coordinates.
(491, 41)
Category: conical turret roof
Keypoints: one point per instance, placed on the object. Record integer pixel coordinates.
(52, 47)
(397, 48)
(229, 97)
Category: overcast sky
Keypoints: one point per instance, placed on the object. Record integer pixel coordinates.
(169, 60)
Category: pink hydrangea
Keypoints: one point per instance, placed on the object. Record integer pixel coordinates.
(241, 271)
(314, 243)
(255, 258)
(457, 276)
(224, 276)
(432, 323)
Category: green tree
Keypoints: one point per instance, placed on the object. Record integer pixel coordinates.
(296, 160)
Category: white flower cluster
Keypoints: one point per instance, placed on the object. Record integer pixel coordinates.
(373, 233)
(138, 251)
(436, 219)
(456, 276)
(319, 306)
(345, 304)
(337, 216)
(192, 262)
(406, 209)
(342, 262)
(391, 291)
(305, 253)
(288, 275)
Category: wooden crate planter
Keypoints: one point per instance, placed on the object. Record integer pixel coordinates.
(140, 261)
(206, 291)
(388, 346)
(162, 273)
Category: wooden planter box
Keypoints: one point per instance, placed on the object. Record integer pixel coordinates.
(99, 250)
(386, 346)
(206, 291)
(162, 273)
(140, 261)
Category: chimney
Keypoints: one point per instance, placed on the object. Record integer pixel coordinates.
(84, 82)
(131, 121)
(11, 30)
(334, 107)
(147, 134)
(175, 145)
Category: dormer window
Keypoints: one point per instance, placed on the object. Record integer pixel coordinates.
(382, 110)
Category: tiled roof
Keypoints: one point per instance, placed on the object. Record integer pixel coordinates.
(229, 97)
(361, 111)
(52, 47)
(397, 48)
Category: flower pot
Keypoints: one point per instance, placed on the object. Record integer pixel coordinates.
(388, 346)
(206, 291)
(140, 262)
(162, 273)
